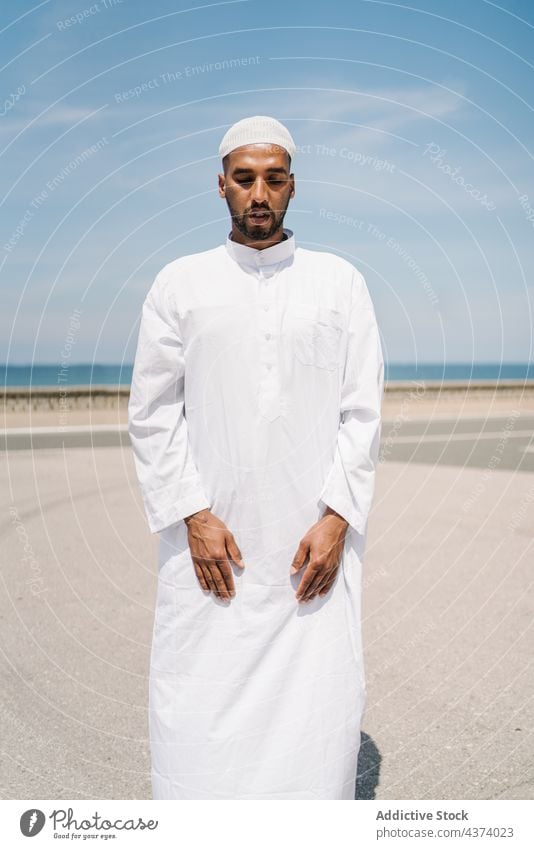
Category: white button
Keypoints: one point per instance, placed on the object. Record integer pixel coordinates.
(269, 365)
(266, 306)
(267, 335)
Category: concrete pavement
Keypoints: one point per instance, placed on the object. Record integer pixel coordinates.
(447, 618)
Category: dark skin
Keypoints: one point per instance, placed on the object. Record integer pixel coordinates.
(257, 180)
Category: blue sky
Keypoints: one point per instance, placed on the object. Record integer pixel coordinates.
(413, 124)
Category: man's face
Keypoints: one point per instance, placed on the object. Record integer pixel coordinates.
(257, 186)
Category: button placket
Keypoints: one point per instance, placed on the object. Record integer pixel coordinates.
(269, 384)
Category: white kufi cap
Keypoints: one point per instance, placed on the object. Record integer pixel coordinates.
(255, 130)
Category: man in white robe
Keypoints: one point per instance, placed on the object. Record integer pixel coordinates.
(254, 418)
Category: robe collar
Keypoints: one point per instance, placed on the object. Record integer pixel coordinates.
(256, 257)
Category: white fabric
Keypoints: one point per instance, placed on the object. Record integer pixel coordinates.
(254, 130)
(256, 391)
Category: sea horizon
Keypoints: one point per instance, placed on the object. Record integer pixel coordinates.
(113, 374)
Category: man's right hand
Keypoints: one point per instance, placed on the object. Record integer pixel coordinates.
(211, 545)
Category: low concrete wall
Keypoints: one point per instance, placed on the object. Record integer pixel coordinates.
(21, 398)
(43, 398)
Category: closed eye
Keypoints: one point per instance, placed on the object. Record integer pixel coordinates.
(248, 182)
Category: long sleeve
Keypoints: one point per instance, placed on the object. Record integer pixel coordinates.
(349, 487)
(168, 477)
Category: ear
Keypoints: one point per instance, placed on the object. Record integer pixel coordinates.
(222, 185)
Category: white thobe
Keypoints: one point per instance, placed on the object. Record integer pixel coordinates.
(256, 392)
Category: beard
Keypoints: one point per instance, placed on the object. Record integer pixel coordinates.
(257, 232)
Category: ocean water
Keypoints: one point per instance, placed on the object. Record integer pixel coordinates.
(85, 374)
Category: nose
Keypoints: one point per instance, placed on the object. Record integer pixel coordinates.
(258, 192)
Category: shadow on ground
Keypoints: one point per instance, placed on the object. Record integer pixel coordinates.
(369, 760)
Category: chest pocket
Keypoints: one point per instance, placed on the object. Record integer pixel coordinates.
(318, 333)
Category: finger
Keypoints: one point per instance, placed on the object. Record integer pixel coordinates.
(329, 574)
(312, 572)
(201, 579)
(220, 584)
(327, 586)
(233, 552)
(227, 575)
(299, 558)
(212, 586)
(327, 581)
(326, 575)
(312, 589)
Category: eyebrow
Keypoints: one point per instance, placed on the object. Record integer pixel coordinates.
(237, 171)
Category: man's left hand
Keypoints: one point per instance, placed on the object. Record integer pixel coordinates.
(324, 545)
